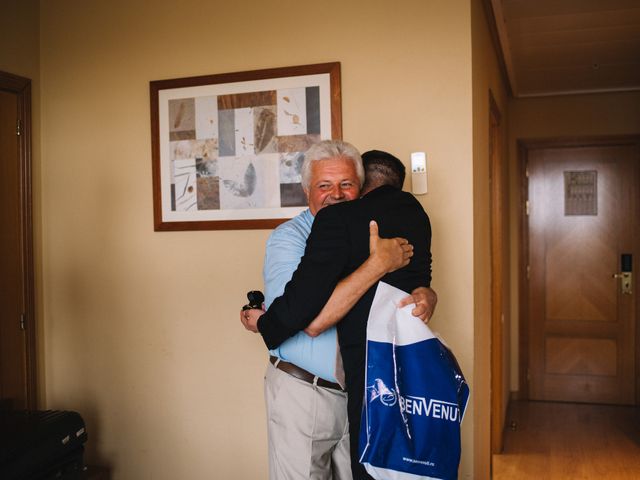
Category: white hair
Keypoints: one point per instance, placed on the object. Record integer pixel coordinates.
(327, 149)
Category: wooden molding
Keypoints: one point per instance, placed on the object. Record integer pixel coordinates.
(22, 88)
(523, 304)
(498, 285)
(497, 29)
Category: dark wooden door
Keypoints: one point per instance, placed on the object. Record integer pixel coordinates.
(583, 215)
(499, 259)
(17, 362)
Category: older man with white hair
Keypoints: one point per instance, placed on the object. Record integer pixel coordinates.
(306, 403)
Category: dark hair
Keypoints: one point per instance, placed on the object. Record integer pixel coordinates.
(382, 168)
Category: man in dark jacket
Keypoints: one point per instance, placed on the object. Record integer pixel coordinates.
(337, 246)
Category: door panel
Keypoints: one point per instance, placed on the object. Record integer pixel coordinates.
(583, 212)
(17, 328)
(499, 271)
(13, 374)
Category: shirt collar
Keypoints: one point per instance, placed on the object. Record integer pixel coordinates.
(382, 190)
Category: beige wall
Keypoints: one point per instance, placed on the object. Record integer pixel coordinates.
(486, 77)
(19, 38)
(556, 117)
(141, 331)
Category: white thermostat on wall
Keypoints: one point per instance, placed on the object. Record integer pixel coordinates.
(419, 173)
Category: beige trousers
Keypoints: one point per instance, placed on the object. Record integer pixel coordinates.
(307, 428)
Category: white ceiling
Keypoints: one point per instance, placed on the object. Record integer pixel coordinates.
(555, 47)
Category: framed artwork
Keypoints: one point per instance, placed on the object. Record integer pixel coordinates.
(227, 149)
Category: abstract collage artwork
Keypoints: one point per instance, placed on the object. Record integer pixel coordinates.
(231, 152)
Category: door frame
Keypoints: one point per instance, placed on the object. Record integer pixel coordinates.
(523, 146)
(498, 294)
(21, 87)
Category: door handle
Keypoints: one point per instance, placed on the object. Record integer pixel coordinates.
(626, 283)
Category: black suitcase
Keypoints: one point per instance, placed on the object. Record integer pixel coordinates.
(41, 445)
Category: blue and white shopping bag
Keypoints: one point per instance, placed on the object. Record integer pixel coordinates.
(415, 396)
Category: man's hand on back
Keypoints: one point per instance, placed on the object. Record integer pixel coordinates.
(388, 254)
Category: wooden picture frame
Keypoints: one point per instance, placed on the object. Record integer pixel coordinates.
(227, 148)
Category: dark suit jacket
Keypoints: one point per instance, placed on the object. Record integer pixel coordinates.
(337, 246)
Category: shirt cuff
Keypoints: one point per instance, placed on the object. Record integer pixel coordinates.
(272, 333)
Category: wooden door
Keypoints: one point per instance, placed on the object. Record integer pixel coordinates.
(583, 215)
(499, 270)
(17, 340)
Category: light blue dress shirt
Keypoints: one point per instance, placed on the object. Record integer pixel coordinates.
(284, 250)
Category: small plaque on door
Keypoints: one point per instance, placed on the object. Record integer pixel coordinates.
(581, 192)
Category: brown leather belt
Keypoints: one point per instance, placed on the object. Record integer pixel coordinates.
(301, 374)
